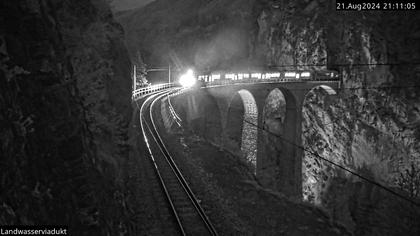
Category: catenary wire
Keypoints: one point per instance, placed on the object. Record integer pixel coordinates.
(337, 165)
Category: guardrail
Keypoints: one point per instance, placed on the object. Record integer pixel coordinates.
(138, 93)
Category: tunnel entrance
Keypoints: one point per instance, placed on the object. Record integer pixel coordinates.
(241, 126)
(317, 125)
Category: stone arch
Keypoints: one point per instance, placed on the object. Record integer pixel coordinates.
(315, 173)
(276, 158)
(327, 89)
(241, 125)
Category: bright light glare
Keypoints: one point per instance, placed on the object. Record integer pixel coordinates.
(187, 79)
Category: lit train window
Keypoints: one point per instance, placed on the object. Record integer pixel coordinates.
(305, 74)
(275, 75)
(230, 76)
(256, 75)
(272, 75)
(290, 74)
(240, 76)
(215, 77)
(246, 76)
(297, 75)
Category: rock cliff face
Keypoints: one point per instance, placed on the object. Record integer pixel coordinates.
(372, 131)
(65, 108)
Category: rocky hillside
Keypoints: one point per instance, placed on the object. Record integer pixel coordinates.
(373, 127)
(65, 109)
(201, 33)
(369, 129)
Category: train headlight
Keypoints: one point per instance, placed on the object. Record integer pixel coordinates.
(187, 79)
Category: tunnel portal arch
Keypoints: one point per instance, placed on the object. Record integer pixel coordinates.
(315, 174)
(241, 125)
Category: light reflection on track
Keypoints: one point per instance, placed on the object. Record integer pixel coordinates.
(187, 212)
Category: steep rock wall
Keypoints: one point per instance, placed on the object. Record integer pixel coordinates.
(370, 130)
(65, 95)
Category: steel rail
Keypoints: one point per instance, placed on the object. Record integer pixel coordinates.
(156, 168)
(184, 183)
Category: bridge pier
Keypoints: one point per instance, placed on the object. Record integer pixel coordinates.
(278, 138)
(279, 158)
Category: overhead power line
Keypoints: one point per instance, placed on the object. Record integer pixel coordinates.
(349, 64)
(348, 88)
(337, 165)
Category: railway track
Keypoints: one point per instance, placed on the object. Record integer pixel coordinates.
(187, 215)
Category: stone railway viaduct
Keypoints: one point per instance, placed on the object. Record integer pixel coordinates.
(261, 120)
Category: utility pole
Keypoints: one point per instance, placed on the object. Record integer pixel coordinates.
(134, 78)
(169, 73)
